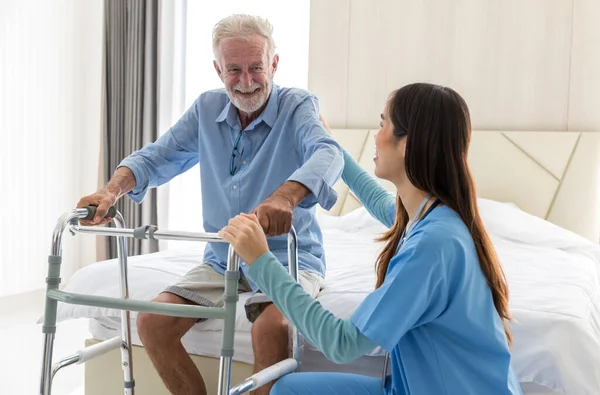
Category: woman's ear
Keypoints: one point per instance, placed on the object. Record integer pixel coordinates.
(402, 147)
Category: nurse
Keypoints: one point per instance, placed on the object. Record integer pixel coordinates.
(440, 304)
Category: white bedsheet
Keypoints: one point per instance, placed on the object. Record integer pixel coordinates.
(553, 274)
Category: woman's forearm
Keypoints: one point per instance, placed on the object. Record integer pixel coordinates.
(339, 340)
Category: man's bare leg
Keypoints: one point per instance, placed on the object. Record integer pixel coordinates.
(161, 336)
(269, 342)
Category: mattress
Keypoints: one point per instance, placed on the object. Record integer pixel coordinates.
(553, 275)
(208, 344)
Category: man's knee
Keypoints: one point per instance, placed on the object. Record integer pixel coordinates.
(154, 328)
(270, 326)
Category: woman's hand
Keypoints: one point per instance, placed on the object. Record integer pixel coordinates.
(246, 236)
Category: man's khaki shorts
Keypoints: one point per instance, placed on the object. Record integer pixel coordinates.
(204, 286)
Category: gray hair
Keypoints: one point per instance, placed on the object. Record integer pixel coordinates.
(242, 26)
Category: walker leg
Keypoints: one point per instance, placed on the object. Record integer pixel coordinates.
(224, 375)
(126, 356)
(49, 326)
(52, 281)
(126, 352)
(46, 381)
(230, 298)
(296, 342)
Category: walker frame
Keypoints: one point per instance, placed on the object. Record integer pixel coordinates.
(227, 313)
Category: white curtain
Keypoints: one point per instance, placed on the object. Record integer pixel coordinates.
(50, 79)
(171, 69)
(181, 208)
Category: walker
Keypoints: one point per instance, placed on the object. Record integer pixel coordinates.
(226, 313)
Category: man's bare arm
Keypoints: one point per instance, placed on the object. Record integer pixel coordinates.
(275, 214)
(293, 191)
(122, 182)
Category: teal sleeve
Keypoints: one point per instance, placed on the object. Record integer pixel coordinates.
(379, 202)
(338, 339)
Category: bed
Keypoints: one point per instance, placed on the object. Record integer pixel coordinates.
(539, 196)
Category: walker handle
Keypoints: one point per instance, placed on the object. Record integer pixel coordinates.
(91, 209)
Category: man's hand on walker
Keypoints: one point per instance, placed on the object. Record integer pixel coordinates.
(104, 199)
(246, 236)
(275, 215)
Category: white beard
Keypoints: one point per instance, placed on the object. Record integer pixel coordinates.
(250, 103)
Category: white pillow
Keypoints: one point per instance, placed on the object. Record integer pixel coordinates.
(501, 219)
(358, 220)
(507, 221)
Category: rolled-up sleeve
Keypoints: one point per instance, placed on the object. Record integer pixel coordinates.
(322, 156)
(172, 154)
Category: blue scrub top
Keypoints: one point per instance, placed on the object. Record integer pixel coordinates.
(435, 315)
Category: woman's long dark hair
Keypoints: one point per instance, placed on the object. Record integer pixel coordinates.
(437, 126)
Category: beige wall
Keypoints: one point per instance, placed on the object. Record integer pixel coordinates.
(520, 65)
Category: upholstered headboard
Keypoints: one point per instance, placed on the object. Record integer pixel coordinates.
(553, 175)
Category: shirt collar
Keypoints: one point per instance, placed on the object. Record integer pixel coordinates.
(269, 114)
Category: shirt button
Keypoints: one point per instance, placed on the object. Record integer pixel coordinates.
(244, 162)
(235, 187)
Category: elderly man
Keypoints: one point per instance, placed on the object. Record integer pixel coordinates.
(262, 149)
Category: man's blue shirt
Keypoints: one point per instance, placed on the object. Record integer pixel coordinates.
(287, 142)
